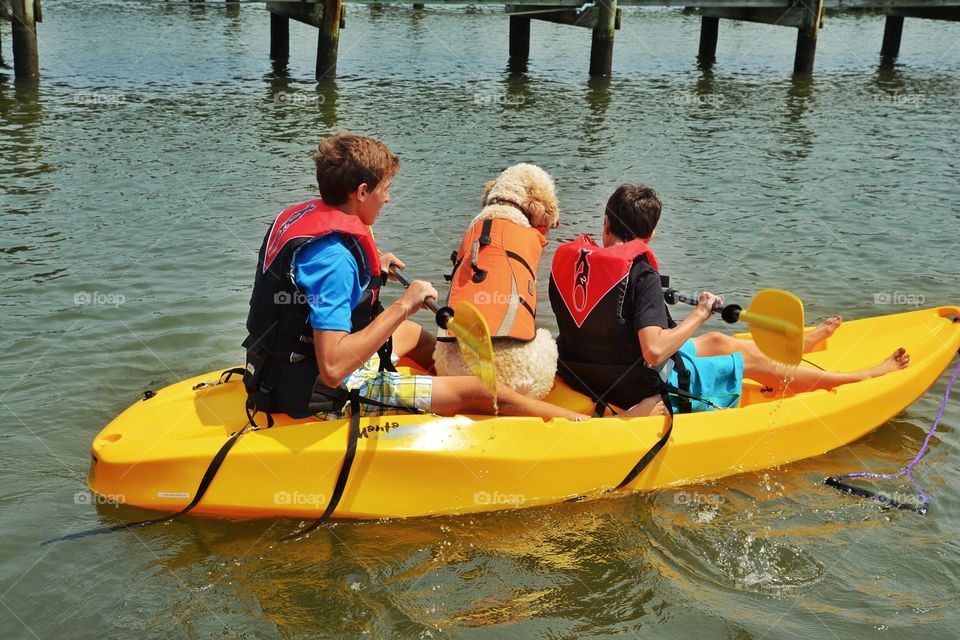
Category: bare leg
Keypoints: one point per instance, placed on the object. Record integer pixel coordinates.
(715, 343)
(466, 394)
(415, 342)
(765, 371)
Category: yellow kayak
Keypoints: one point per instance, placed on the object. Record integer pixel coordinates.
(155, 453)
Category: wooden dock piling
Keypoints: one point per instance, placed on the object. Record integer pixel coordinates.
(26, 56)
(709, 30)
(807, 32)
(602, 17)
(279, 37)
(328, 40)
(601, 46)
(519, 39)
(892, 33)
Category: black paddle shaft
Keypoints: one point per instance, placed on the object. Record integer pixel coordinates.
(443, 314)
(730, 313)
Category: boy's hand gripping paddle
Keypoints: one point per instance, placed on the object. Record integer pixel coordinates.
(775, 318)
(473, 335)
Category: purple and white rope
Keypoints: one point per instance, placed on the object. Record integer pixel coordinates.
(908, 470)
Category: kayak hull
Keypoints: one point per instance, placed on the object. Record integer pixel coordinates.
(154, 454)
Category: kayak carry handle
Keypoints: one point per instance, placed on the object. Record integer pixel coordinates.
(443, 314)
(730, 313)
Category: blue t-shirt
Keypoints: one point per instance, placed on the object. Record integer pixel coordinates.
(327, 272)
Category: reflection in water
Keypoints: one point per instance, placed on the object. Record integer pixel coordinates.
(23, 156)
(595, 134)
(518, 90)
(197, 9)
(294, 100)
(517, 65)
(426, 573)
(327, 94)
(799, 135)
(889, 76)
(279, 68)
(705, 64)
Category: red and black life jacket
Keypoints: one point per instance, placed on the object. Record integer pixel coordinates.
(598, 347)
(495, 269)
(281, 370)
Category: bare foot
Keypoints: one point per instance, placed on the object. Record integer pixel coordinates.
(652, 406)
(900, 359)
(820, 332)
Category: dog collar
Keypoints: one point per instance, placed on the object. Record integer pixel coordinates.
(500, 200)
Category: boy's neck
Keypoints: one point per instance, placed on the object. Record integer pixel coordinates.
(348, 207)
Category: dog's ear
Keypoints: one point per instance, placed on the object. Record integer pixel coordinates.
(541, 205)
(486, 192)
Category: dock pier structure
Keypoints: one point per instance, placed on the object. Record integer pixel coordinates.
(24, 16)
(602, 17)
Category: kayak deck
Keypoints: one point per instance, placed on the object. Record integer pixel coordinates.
(154, 454)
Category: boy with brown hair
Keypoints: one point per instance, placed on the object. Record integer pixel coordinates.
(317, 330)
(619, 344)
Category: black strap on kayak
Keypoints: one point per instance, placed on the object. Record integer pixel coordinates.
(205, 481)
(355, 400)
(201, 490)
(353, 434)
(650, 454)
(683, 401)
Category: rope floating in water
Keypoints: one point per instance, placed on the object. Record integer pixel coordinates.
(919, 503)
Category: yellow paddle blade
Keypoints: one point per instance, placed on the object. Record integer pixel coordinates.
(775, 318)
(473, 336)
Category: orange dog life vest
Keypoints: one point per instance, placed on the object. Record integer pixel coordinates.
(495, 270)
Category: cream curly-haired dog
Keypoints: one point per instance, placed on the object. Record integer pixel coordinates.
(495, 270)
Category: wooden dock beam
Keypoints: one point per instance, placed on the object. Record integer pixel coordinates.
(709, 30)
(601, 46)
(805, 16)
(519, 39)
(328, 41)
(26, 56)
(807, 31)
(892, 33)
(279, 37)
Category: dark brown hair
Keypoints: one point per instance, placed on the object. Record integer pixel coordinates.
(345, 161)
(634, 211)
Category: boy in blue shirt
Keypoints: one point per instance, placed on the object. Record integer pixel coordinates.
(316, 326)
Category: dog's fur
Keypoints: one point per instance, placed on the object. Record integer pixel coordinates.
(527, 367)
